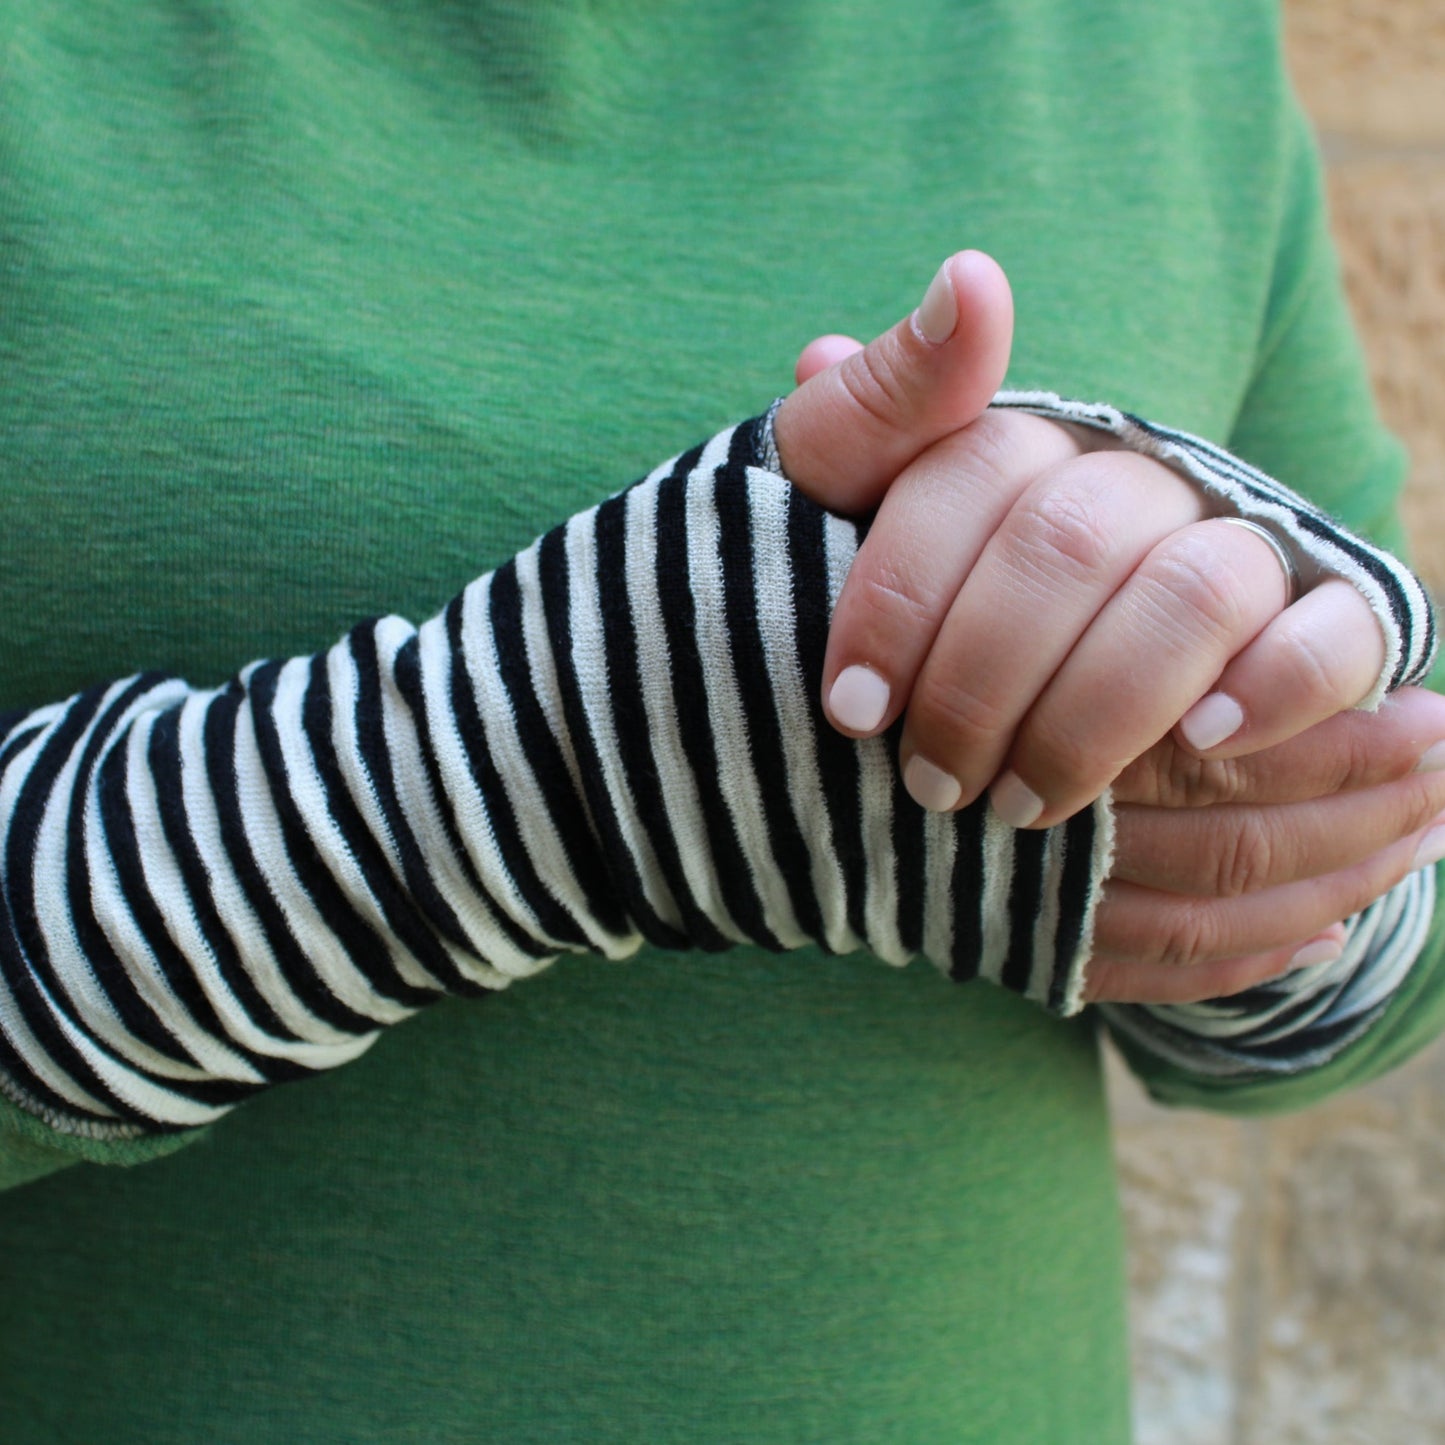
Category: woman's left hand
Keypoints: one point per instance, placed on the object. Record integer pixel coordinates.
(1045, 607)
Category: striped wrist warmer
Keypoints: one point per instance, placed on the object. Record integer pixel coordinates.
(1301, 1019)
(613, 738)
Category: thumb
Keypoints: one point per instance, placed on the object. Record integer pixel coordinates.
(848, 430)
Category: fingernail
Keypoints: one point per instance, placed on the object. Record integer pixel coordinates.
(929, 786)
(1322, 950)
(1014, 801)
(1211, 720)
(858, 699)
(937, 314)
(1432, 847)
(1432, 760)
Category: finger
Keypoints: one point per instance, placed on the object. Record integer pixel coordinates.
(1315, 659)
(847, 432)
(1195, 601)
(821, 353)
(1147, 925)
(1111, 980)
(1042, 578)
(1349, 752)
(930, 529)
(1226, 851)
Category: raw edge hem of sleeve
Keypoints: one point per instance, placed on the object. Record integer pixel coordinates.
(30, 1148)
(1412, 1021)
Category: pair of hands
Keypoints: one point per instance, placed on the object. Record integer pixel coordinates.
(1043, 608)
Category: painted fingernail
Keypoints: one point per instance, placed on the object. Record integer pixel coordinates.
(929, 786)
(1014, 801)
(1322, 950)
(1432, 760)
(858, 699)
(1432, 847)
(937, 313)
(1211, 720)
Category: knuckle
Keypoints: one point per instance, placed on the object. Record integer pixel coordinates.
(872, 379)
(1222, 780)
(1245, 858)
(1423, 804)
(884, 594)
(1177, 779)
(1073, 761)
(1308, 672)
(1185, 576)
(942, 708)
(990, 452)
(1057, 527)
(1189, 936)
(993, 442)
(1358, 762)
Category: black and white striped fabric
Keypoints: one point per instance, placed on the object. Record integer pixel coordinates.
(614, 738)
(1302, 1019)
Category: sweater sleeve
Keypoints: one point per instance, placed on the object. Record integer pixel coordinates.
(613, 738)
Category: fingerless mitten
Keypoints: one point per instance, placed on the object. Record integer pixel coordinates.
(614, 737)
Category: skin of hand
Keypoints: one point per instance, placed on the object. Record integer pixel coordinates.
(1044, 605)
(1112, 607)
(1230, 871)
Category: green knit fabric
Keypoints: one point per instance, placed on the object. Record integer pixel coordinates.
(314, 309)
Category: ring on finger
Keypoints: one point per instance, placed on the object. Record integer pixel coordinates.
(1281, 552)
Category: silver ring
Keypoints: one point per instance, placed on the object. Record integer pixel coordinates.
(1281, 552)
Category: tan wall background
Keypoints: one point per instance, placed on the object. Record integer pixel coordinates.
(1288, 1276)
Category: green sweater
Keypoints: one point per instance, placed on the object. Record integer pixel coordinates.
(315, 311)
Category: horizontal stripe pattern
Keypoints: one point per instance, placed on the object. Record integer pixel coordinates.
(613, 739)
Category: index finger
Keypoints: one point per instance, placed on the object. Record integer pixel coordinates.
(926, 539)
(1349, 751)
